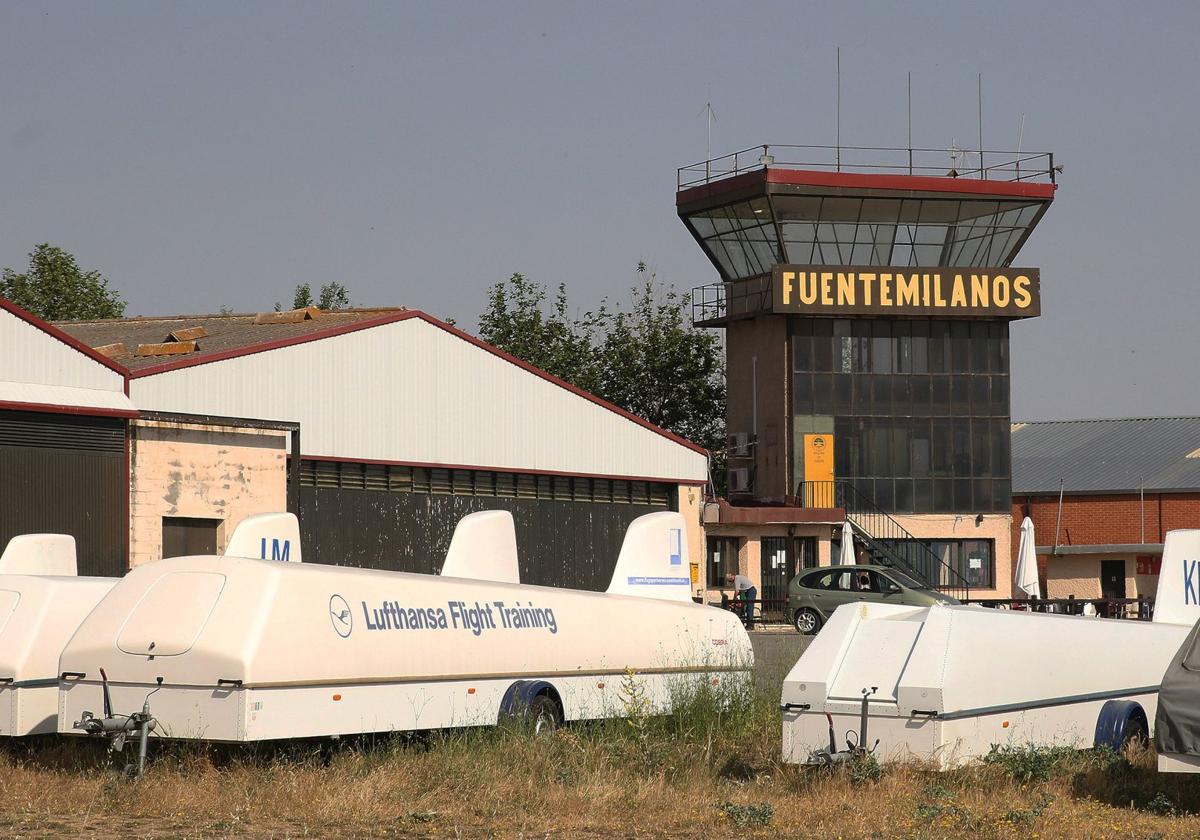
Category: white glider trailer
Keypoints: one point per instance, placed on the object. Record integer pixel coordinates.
(43, 601)
(241, 650)
(946, 683)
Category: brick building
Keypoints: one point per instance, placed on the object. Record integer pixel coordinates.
(1102, 495)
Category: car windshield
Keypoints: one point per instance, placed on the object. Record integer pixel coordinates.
(904, 580)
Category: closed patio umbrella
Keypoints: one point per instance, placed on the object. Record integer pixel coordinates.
(1025, 578)
(847, 556)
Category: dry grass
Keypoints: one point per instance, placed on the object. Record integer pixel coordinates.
(704, 771)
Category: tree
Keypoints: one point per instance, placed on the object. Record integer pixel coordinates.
(647, 360)
(56, 289)
(659, 367)
(553, 341)
(332, 296)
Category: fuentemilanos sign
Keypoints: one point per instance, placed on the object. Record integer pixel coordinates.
(882, 290)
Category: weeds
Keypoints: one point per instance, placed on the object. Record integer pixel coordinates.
(715, 756)
(745, 816)
(1030, 763)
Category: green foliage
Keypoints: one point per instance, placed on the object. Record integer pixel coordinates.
(54, 287)
(757, 814)
(1031, 763)
(331, 296)
(865, 769)
(553, 341)
(1025, 816)
(647, 359)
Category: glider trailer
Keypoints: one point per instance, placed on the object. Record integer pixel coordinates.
(947, 683)
(240, 650)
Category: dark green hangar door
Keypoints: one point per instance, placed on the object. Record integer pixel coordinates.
(569, 528)
(66, 474)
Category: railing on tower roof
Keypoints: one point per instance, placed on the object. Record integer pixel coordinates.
(988, 165)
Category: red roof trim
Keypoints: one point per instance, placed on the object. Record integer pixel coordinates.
(392, 318)
(911, 183)
(55, 332)
(47, 408)
(434, 465)
(858, 180)
(251, 349)
(724, 185)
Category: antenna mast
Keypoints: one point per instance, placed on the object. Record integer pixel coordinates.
(979, 82)
(839, 109)
(710, 116)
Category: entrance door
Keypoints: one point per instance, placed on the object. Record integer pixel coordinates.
(1112, 578)
(775, 570)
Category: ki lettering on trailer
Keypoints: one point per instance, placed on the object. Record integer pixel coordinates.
(1191, 582)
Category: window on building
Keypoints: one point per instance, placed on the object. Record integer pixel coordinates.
(398, 478)
(972, 561)
(722, 559)
(910, 401)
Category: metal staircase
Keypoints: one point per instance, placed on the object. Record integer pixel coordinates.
(888, 542)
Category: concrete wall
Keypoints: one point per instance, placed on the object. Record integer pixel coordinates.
(1078, 575)
(757, 353)
(690, 506)
(194, 470)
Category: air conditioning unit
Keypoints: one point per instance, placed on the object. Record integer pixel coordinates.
(739, 480)
(739, 445)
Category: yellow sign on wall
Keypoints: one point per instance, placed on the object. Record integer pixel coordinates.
(818, 467)
(818, 457)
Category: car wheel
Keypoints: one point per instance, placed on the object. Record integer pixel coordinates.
(807, 621)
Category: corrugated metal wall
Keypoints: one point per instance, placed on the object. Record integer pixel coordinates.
(66, 474)
(561, 543)
(30, 355)
(412, 392)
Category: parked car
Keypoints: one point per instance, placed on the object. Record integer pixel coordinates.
(814, 594)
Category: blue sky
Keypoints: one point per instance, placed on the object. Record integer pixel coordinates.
(217, 154)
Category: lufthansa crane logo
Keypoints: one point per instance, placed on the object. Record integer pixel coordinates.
(340, 617)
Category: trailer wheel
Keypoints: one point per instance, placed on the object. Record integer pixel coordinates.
(807, 621)
(544, 715)
(1121, 722)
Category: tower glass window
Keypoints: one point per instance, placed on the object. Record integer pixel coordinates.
(919, 408)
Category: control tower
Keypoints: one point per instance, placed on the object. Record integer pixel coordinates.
(866, 295)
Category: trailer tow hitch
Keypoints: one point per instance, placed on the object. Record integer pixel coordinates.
(118, 728)
(854, 748)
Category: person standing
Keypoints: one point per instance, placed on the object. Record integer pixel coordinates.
(744, 592)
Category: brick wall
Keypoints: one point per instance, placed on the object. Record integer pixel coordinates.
(1102, 520)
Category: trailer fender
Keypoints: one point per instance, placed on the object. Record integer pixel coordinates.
(1120, 722)
(521, 694)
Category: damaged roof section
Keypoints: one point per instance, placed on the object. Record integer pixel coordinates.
(155, 339)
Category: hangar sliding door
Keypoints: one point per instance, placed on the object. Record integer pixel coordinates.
(66, 474)
(569, 529)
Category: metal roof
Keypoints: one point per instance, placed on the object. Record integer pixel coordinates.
(1106, 456)
(223, 332)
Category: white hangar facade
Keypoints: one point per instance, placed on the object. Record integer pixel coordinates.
(400, 425)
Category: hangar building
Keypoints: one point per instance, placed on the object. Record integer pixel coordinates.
(382, 428)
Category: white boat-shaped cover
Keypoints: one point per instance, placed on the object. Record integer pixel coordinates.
(954, 680)
(42, 601)
(251, 650)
